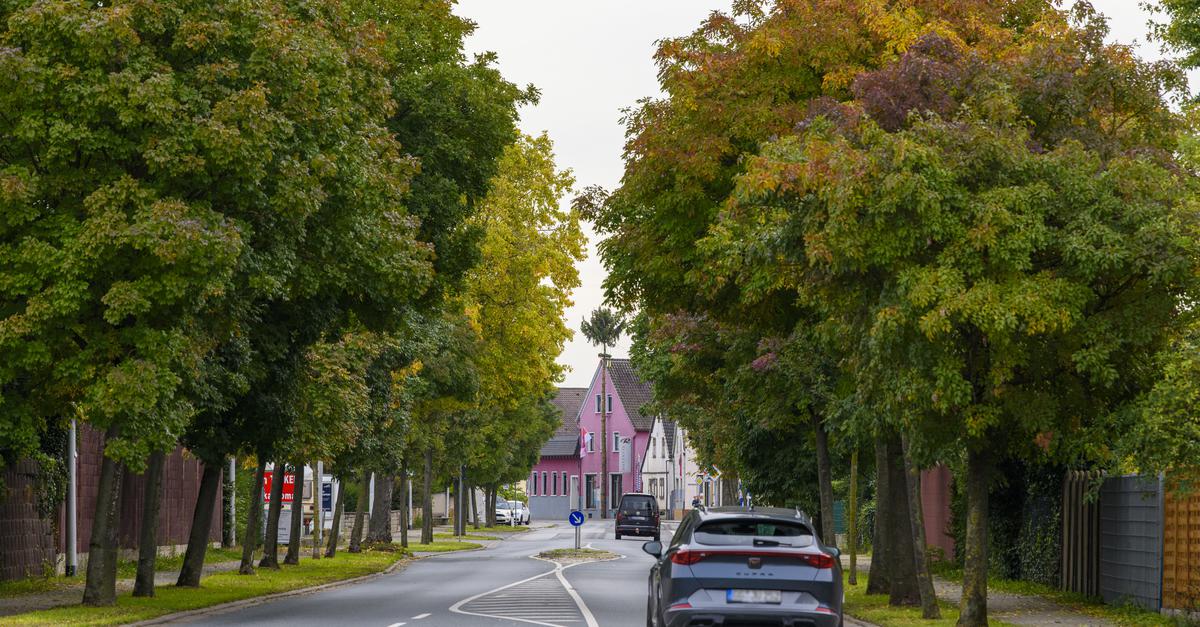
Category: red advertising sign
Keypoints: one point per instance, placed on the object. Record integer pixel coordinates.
(289, 486)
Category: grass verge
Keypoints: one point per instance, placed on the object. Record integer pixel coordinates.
(469, 536)
(500, 529)
(442, 547)
(1119, 614)
(215, 590)
(126, 569)
(874, 608)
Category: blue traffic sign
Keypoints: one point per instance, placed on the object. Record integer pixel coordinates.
(576, 518)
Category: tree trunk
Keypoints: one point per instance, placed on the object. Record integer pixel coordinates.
(852, 517)
(381, 517)
(335, 525)
(143, 585)
(916, 520)
(604, 434)
(360, 513)
(295, 540)
(489, 506)
(879, 579)
(427, 499)
(206, 504)
(253, 515)
(973, 606)
(456, 520)
(270, 558)
(903, 555)
(101, 586)
(404, 496)
(824, 481)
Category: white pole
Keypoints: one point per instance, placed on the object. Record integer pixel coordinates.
(318, 507)
(371, 495)
(72, 517)
(232, 500)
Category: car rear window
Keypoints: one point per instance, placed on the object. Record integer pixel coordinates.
(753, 532)
(631, 504)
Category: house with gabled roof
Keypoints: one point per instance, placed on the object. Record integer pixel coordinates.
(556, 478)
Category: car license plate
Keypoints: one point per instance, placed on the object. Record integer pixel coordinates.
(754, 596)
(636, 518)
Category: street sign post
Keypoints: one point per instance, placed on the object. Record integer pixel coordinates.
(576, 520)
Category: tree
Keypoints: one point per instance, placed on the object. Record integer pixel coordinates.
(603, 328)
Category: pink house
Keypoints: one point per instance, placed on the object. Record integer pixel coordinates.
(628, 430)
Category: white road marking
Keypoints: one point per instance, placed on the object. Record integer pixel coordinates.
(419, 616)
(397, 625)
(501, 604)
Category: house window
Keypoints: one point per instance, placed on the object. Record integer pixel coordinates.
(591, 443)
(616, 442)
(533, 484)
(554, 484)
(544, 492)
(610, 403)
(597, 403)
(564, 484)
(654, 448)
(591, 492)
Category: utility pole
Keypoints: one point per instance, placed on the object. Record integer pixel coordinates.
(318, 510)
(232, 501)
(604, 433)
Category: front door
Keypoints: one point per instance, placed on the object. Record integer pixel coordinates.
(614, 493)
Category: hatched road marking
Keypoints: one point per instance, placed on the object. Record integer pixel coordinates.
(537, 600)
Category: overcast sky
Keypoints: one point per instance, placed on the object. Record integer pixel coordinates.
(592, 58)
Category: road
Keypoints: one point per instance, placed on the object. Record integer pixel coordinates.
(501, 585)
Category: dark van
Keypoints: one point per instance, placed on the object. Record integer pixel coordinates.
(638, 516)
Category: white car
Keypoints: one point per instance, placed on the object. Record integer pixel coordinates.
(520, 512)
(505, 515)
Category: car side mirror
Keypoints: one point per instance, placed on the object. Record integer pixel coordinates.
(653, 547)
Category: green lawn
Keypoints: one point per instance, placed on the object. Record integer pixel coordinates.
(215, 589)
(125, 570)
(442, 547)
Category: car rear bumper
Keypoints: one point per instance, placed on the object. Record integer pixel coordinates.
(637, 530)
(699, 617)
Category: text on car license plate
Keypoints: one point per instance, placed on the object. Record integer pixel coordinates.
(753, 596)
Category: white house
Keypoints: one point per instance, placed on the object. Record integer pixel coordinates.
(671, 473)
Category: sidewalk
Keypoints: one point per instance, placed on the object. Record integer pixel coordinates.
(1016, 609)
(73, 593)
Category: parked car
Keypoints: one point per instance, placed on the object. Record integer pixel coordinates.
(638, 515)
(745, 565)
(505, 514)
(520, 512)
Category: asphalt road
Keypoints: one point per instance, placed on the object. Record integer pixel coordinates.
(501, 585)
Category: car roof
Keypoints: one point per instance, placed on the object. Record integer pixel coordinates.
(764, 513)
(636, 494)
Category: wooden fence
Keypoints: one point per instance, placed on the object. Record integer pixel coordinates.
(1181, 552)
(1080, 534)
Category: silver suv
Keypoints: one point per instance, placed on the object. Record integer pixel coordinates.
(741, 566)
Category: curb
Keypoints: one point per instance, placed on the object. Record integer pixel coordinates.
(244, 603)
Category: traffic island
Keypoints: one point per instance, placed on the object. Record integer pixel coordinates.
(575, 556)
(222, 589)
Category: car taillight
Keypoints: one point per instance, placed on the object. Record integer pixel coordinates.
(687, 558)
(817, 561)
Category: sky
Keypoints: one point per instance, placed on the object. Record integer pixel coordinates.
(591, 59)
